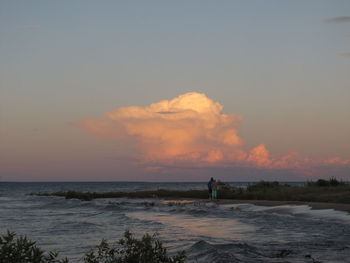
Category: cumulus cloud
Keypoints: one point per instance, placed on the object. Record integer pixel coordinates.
(189, 127)
(338, 19)
(191, 130)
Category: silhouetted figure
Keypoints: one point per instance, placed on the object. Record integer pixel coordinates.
(214, 190)
(210, 185)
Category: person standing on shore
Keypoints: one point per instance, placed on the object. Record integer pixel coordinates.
(210, 183)
(214, 190)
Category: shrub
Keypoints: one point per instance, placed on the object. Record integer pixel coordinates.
(23, 250)
(127, 250)
(334, 182)
(323, 183)
(131, 250)
(263, 185)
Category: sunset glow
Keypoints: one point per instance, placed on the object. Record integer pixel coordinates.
(171, 91)
(191, 128)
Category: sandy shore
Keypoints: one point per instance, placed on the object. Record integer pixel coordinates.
(313, 205)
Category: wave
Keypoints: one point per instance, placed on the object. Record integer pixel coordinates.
(294, 210)
(203, 251)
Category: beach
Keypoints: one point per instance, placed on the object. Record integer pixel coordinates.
(208, 231)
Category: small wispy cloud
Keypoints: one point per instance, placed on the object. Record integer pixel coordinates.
(338, 19)
(344, 53)
(30, 27)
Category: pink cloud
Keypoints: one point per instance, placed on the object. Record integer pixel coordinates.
(337, 161)
(191, 129)
(260, 156)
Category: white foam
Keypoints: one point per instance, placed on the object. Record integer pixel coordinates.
(296, 210)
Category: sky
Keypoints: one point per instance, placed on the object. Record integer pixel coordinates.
(174, 90)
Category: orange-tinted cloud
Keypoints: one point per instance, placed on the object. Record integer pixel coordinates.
(191, 129)
(260, 156)
(337, 161)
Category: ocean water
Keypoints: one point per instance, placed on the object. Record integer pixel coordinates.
(207, 231)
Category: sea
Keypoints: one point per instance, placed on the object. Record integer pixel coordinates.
(206, 231)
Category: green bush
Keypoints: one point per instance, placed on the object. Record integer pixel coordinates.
(130, 250)
(23, 250)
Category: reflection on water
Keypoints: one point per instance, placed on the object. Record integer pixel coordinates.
(223, 228)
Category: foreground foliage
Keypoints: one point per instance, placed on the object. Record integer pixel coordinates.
(127, 250)
(332, 191)
(130, 250)
(23, 250)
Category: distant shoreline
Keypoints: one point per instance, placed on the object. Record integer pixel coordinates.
(345, 207)
(322, 194)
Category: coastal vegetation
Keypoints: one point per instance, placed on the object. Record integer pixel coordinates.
(148, 249)
(23, 250)
(131, 250)
(332, 191)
